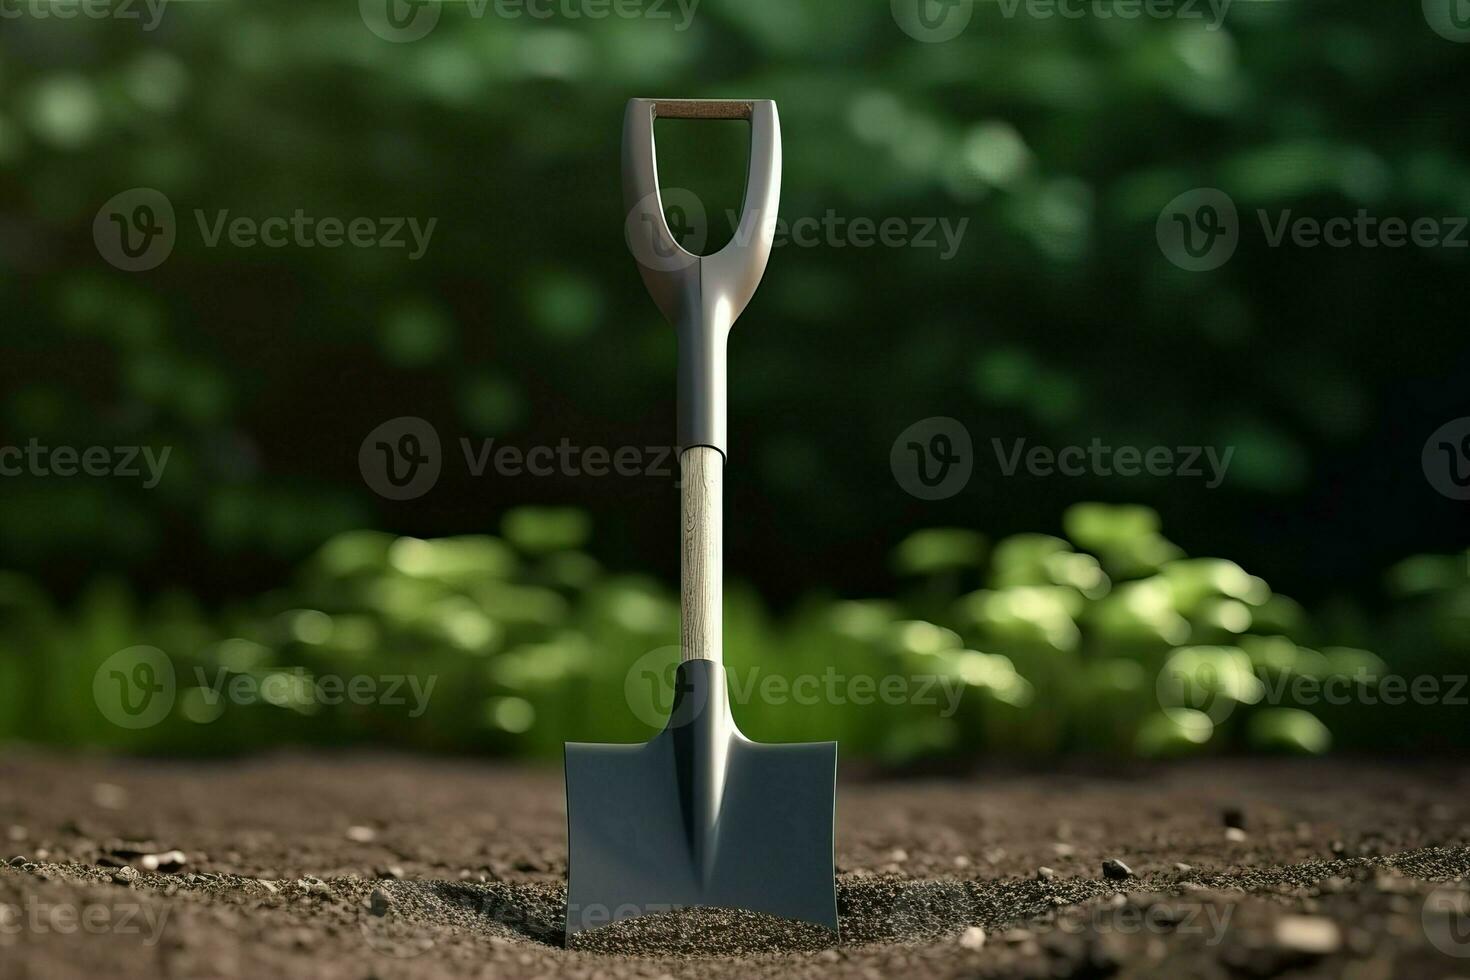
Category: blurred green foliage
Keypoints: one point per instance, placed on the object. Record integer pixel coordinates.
(1110, 642)
(1059, 321)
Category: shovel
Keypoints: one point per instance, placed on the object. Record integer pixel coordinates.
(701, 815)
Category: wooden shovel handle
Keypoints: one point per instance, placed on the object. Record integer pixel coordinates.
(702, 550)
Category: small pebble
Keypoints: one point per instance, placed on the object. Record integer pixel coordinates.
(380, 902)
(125, 875)
(1045, 872)
(898, 855)
(1116, 870)
(109, 796)
(973, 938)
(1181, 866)
(391, 871)
(362, 835)
(18, 860)
(269, 886)
(315, 886)
(1235, 835)
(1310, 934)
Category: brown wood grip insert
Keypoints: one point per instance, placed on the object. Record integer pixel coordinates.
(700, 109)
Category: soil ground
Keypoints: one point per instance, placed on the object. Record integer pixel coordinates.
(394, 867)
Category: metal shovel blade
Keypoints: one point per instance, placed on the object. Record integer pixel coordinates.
(700, 816)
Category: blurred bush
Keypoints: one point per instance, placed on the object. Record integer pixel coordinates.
(1111, 641)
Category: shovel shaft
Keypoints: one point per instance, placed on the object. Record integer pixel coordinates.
(702, 550)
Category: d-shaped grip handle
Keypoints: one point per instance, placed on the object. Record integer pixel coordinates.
(701, 295)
